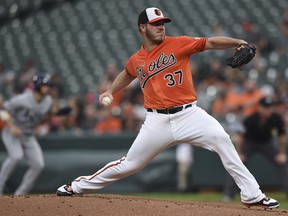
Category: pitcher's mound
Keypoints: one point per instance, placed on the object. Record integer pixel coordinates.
(106, 205)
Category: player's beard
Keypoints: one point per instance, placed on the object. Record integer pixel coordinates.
(155, 38)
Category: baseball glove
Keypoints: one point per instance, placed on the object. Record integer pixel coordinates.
(243, 55)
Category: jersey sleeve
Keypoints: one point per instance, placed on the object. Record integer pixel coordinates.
(11, 104)
(191, 45)
(129, 68)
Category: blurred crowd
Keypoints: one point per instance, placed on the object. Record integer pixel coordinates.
(228, 94)
(125, 114)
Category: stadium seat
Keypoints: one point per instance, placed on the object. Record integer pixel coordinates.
(80, 38)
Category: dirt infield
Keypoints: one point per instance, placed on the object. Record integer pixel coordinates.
(106, 205)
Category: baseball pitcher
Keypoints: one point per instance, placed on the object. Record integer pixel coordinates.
(162, 66)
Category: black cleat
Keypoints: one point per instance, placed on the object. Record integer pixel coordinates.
(65, 190)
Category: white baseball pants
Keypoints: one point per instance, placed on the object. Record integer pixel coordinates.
(162, 131)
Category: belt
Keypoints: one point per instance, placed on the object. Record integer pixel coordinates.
(171, 110)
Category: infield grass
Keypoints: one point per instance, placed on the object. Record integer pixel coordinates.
(207, 197)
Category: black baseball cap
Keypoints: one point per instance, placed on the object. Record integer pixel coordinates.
(266, 102)
(150, 15)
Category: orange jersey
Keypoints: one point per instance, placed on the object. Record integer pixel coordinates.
(165, 73)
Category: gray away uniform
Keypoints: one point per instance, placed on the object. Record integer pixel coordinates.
(26, 114)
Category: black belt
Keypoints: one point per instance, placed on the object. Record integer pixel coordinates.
(171, 110)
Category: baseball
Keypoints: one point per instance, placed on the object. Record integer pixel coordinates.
(4, 115)
(106, 101)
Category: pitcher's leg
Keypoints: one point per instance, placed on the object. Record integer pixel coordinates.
(250, 190)
(110, 173)
(149, 143)
(230, 188)
(209, 134)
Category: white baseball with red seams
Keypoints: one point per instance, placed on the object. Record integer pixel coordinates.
(106, 101)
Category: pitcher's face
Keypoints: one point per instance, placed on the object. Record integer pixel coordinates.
(155, 32)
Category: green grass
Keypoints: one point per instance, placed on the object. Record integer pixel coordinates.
(207, 197)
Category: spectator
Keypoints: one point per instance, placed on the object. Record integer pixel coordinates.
(133, 109)
(89, 120)
(250, 30)
(250, 97)
(218, 30)
(110, 122)
(57, 90)
(226, 101)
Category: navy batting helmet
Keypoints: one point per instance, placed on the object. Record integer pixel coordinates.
(41, 79)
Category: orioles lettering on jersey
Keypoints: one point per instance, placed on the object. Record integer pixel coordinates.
(155, 67)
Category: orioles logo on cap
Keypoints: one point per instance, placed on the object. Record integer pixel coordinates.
(157, 12)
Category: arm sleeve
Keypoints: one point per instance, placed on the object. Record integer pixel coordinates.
(129, 68)
(191, 45)
(11, 104)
